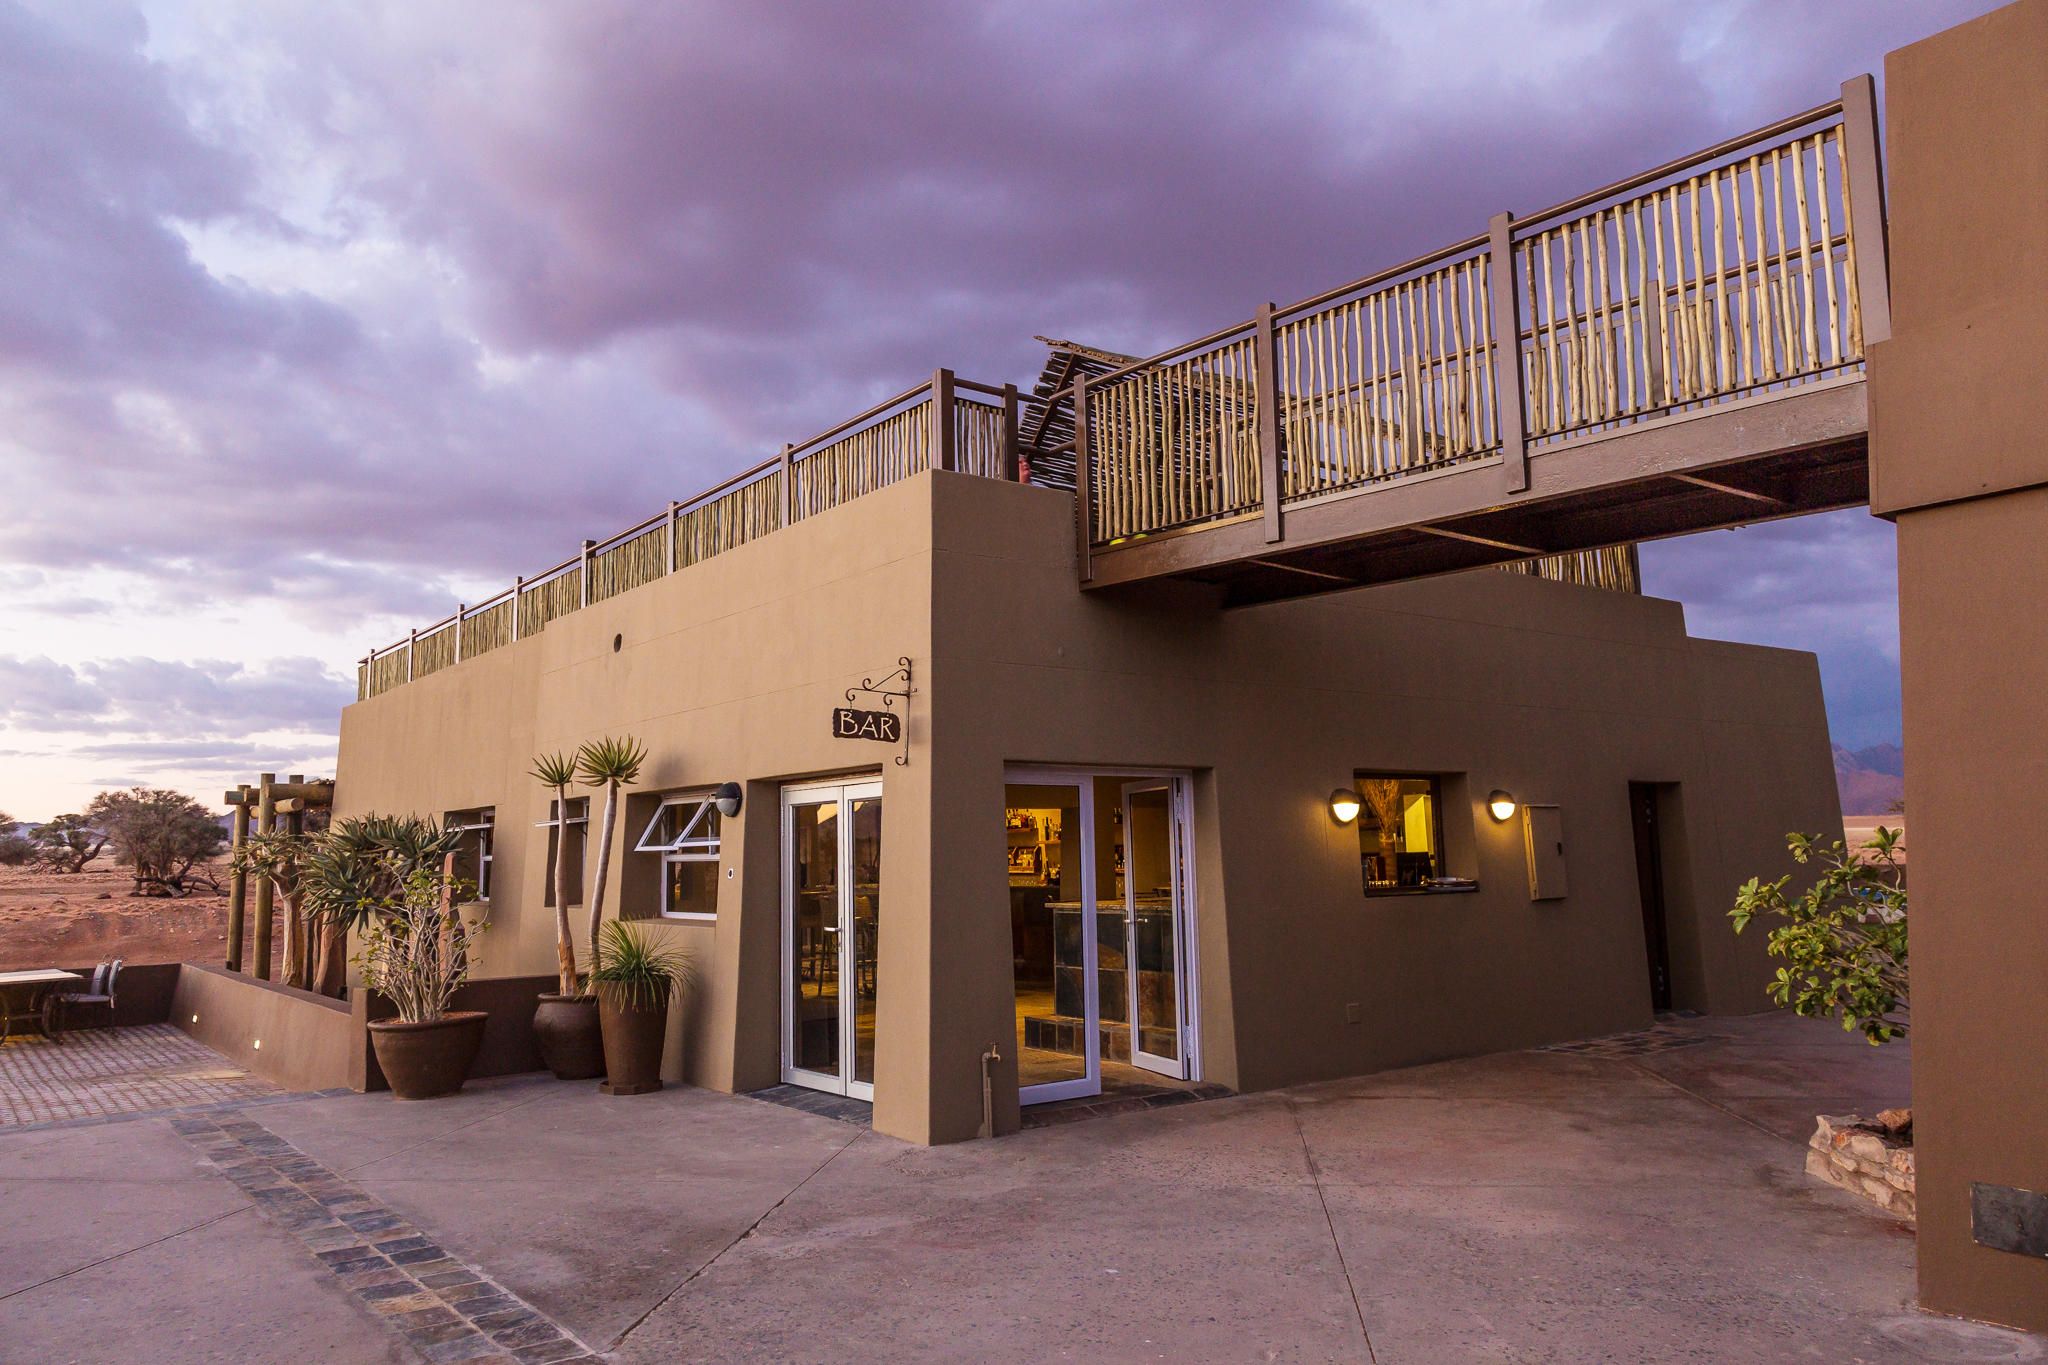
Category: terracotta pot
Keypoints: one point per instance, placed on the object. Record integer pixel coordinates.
(566, 1029)
(428, 1058)
(633, 1040)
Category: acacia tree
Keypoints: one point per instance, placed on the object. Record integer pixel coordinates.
(611, 764)
(160, 834)
(67, 843)
(16, 848)
(1843, 939)
(558, 771)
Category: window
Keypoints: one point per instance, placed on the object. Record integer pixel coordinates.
(579, 826)
(684, 834)
(1400, 832)
(473, 851)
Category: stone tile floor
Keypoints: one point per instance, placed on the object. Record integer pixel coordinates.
(104, 1073)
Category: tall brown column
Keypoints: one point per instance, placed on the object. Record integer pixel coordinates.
(1959, 459)
(238, 881)
(266, 822)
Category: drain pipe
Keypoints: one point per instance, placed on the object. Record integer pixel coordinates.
(988, 1091)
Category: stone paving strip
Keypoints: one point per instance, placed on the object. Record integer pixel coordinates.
(445, 1310)
(105, 1073)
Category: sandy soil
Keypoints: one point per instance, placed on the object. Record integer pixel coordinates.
(48, 919)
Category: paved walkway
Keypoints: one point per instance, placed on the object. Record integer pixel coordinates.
(104, 1072)
(1623, 1203)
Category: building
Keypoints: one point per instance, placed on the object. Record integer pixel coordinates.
(1085, 808)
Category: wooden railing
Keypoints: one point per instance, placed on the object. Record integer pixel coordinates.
(1721, 275)
(1614, 567)
(945, 423)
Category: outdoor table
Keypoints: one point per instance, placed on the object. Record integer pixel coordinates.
(35, 988)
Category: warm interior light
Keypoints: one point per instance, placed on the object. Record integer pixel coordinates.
(1344, 805)
(1500, 805)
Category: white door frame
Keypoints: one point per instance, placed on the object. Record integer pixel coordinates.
(1177, 871)
(816, 793)
(1180, 784)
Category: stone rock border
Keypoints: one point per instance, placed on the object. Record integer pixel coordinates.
(1868, 1157)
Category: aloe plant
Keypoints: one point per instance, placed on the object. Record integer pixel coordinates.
(558, 771)
(633, 970)
(611, 764)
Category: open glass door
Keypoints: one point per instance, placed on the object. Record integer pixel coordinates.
(1047, 820)
(831, 914)
(1155, 889)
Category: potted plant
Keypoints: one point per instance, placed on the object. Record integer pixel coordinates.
(349, 872)
(633, 980)
(565, 1023)
(416, 951)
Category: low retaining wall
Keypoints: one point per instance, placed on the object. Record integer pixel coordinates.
(1866, 1157)
(142, 995)
(291, 1038)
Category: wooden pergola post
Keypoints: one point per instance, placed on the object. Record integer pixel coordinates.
(238, 881)
(266, 822)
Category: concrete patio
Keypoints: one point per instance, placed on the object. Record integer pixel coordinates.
(1641, 1199)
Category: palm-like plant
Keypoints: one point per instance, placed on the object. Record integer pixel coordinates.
(611, 764)
(350, 873)
(558, 771)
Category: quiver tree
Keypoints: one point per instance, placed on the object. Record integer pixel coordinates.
(610, 764)
(161, 836)
(558, 771)
(280, 856)
(353, 871)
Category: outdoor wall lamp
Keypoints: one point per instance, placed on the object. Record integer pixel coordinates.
(1500, 805)
(727, 799)
(1344, 805)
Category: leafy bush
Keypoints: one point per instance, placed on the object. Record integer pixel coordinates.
(16, 848)
(1843, 939)
(360, 864)
(160, 834)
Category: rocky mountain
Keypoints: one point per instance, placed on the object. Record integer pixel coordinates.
(1871, 779)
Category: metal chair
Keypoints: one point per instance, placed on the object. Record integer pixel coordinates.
(98, 995)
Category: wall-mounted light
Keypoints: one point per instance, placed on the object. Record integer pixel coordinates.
(1344, 805)
(1500, 805)
(727, 799)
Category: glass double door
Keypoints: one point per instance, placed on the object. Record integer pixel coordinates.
(1100, 890)
(831, 917)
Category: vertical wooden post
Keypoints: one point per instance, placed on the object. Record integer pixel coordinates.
(460, 609)
(238, 880)
(1011, 461)
(1084, 481)
(1869, 229)
(1266, 383)
(673, 508)
(583, 570)
(1504, 322)
(298, 942)
(412, 643)
(266, 822)
(788, 487)
(518, 602)
(943, 454)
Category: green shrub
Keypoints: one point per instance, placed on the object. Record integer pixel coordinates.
(1843, 939)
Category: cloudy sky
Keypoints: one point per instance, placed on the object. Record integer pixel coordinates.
(316, 319)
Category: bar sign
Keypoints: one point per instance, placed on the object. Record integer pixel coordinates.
(848, 723)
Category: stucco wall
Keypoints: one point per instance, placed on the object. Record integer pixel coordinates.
(729, 671)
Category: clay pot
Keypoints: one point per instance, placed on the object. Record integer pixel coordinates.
(428, 1058)
(633, 1040)
(566, 1029)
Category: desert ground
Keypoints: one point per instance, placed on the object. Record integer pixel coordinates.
(49, 919)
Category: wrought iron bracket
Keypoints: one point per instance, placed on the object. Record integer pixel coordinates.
(882, 687)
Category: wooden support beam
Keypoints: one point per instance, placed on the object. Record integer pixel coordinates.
(1504, 323)
(238, 881)
(788, 486)
(1720, 485)
(1869, 229)
(1084, 481)
(1011, 452)
(1487, 541)
(314, 793)
(943, 454)
(1311, 573)
(1266, 383)
(266, 823)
